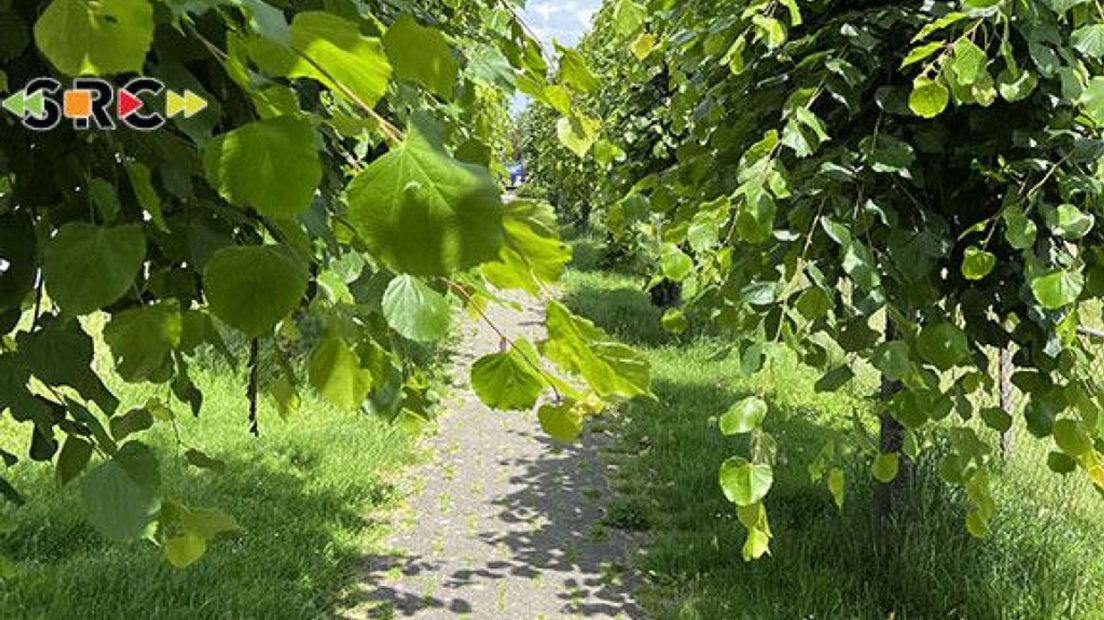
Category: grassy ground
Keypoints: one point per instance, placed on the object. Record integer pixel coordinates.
(1045, 558)
(305, 493)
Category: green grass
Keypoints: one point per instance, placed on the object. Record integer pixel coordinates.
(1045, 558)
(305, 493)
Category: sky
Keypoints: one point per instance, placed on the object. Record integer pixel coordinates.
(563, 20)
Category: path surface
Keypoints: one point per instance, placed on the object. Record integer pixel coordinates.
(506, 525)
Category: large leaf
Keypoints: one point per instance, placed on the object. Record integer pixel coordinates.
(335, 371)
(423, 212)
(562, 422)
(329, 49)
(533, 255)
(415, 310)
(96, 38)
(184, 532)
(578, 133)
(743, 417)
(1058, 289)
(745, 483)
(575, 73)
(142, 339)
(270, 165)
(422, 54)
(509, 380)
(254, 287)
(88, 267)
(942, 344)
(123, 495)
(610, 368)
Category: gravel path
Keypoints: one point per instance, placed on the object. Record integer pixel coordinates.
(505, 524)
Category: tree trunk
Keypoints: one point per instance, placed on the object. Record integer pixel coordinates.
(1007, 401)
(888, 497)
(583, 224)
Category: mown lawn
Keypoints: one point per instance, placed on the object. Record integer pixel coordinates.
(1044, 559)
(305, 493)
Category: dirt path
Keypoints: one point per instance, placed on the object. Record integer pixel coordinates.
(506, 525)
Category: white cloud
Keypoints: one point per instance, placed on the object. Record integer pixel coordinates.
(563, 20)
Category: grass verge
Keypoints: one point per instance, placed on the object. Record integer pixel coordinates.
(1044, 559)
(304, 492)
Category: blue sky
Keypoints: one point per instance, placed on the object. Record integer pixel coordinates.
(562, 20)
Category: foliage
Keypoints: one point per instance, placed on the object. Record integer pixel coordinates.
(1039, 562)
(342, 177)
(908, 185)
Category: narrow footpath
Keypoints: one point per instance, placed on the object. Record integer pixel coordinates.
(504, 521)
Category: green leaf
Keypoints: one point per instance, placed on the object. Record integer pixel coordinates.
(199, 459)
(969, 61)
(1071, 438)
(184, 532)
(942, 344)
(885, 467)
(96, 38)
(834, 379)
(254, 287)
(575, 73)
(1089, 40)
(929, 97)
(421, 54)
(335, 371)
(892, 359)
(1016, 86)
(424, 213)
(287, 398)
(674, 321)
(1060, 463)
(744, 417)
(745, 483)
(415, 310)
(976, 525)
(977, 263)
(610, 368)
(643, 45)
(123, 495)
(922, 52)
(332, 50)
(508, 380)
(1020, 230)
(997, 419)
(629, 17)
(105, 198)
(89, 267)
(533, 255)
(133, 421)
(270, 165)
(675, 264)
(837, 483)
(142, 340)
(578, 133)
(1072, 223)
(141, 181)
(561, 422)
(73, 458)
(1058, 289)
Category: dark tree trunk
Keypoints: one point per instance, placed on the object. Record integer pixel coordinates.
(583, 224)
(888, 498)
